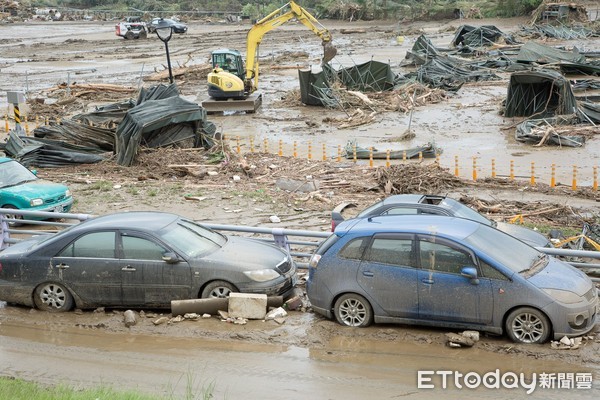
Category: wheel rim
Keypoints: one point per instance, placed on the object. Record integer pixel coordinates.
(353, 312)
(220, 292)
(53, 296)
(528, 328)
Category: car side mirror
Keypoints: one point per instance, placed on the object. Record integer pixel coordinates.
(170, 258)
(471, 273)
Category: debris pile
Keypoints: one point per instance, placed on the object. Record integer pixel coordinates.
(416, 178)
(463, 339)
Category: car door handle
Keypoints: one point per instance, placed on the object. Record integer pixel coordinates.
(62, 266)
(368, 273)
(427, 281)
(128, 268)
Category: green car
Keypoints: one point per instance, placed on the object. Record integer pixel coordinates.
(22, 189)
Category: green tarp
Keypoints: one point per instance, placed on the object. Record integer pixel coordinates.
(538, 53)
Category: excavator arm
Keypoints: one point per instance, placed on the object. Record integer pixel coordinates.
(278, 17)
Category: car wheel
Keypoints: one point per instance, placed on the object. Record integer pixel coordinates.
(527, 325)
(129, 35)
(353, 310)
(53, 297)
(12, 223)
(218, 289)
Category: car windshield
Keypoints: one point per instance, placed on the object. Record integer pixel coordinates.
(461, 211)
(191, 238)
(12, 173)
(503, 248)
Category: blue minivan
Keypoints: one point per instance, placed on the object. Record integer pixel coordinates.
(448, 272)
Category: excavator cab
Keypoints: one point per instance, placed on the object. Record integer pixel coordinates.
(229, 61)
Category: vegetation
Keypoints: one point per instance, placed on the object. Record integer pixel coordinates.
(17, 389)
(336, 9)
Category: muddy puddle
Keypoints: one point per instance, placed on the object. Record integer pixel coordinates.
(342, 367)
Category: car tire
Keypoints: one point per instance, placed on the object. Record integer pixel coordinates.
(528, 325)
(20, 217)
(353, 310)
(129, 35)
(218, 289)
(53, 297)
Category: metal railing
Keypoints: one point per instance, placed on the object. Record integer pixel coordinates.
(304, 240)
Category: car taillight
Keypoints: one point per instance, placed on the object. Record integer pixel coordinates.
(314, 260)
(332, 225)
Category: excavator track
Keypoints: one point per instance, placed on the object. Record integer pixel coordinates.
(249, 105)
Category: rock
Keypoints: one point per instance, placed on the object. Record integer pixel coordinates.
(212, 173)
(191, 316)
(566, 341)
(294, 303)
(280, 320)
(459, 339)
(274, 219)
(178, 318)
(236, 178)
(160, 321)
(130, 318)
(454, 345)
(223, 314)
(206, 316)
(99, 310)
(292, 185)
(240, 321)
(247, 305)
(474, 335)
(276, 313)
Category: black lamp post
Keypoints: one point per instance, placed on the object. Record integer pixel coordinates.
(164, 31)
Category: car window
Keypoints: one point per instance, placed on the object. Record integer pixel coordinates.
(137, 248)
(390, 251)
(12, 173)
(192, 239)
(443, 258)
(462, 211)
(400, 211)
(92, 245)
(490, 272)
(502, 248)
(354, 249)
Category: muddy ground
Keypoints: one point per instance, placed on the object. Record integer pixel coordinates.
(465, 124)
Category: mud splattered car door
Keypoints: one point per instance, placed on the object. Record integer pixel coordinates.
(149, 280)
(89, 267)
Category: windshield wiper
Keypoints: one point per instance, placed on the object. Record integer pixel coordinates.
(540, 260)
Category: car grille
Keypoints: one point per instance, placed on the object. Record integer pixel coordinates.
(284, 267)
(55, 200)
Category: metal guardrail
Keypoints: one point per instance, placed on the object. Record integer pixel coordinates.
(280, 236)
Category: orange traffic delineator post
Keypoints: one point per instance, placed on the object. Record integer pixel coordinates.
(339, 153)
(354, 152)
(474, 168)
(455, 165)
(238, 148)
(553, 175)
(532, 180)
(310, 149)
(6, 127)
(595, 184)
(387, 158)
(370, 157)
(324, 152)
(574, 183)
(295, 149)
(512, 170)
(493, 167)
(404, 155)
(251, 145)
(266, 145)
(280, 152)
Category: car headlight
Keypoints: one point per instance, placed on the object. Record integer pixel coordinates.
(228, 85)
(262, 275)
(36, 202)
(68, 193)
(564, 296)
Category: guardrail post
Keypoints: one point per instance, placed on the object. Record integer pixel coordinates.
(4, 231)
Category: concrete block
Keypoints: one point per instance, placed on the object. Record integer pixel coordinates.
(247, 305)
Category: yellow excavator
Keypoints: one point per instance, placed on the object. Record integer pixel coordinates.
(231, 85)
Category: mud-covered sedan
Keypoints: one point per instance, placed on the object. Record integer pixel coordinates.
(448, 272)
(143, 259)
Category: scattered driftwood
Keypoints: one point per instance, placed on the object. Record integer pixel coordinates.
(350, 31)
(199, 71)
(416, 178)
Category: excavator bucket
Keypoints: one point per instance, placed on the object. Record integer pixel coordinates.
(329, 51)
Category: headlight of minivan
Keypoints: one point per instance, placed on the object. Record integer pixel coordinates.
(68, 193)
(36, 202)
(564, 296)
(262, 275)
